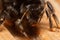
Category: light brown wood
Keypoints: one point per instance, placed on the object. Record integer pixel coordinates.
(5, 34)
(58, 1)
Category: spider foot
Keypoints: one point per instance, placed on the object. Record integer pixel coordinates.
(52, 29)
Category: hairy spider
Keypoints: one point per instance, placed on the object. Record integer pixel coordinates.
(25, 13)
(37, 9)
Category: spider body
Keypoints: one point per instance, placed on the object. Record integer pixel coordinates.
(28, 12)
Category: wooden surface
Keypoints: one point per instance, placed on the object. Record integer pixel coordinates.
(45, 33)
(58, 1)
(5, 34)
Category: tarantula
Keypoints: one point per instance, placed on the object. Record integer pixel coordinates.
(29, 12)
(36, 10)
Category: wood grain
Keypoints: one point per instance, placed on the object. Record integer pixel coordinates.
(5, 34)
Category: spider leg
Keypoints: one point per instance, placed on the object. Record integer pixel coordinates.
(55, 19)
(41, 15)
(49, 16)
(49, 5)
(52, 12)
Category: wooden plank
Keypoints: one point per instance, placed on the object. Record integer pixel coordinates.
(5, 34)
(58, 1)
